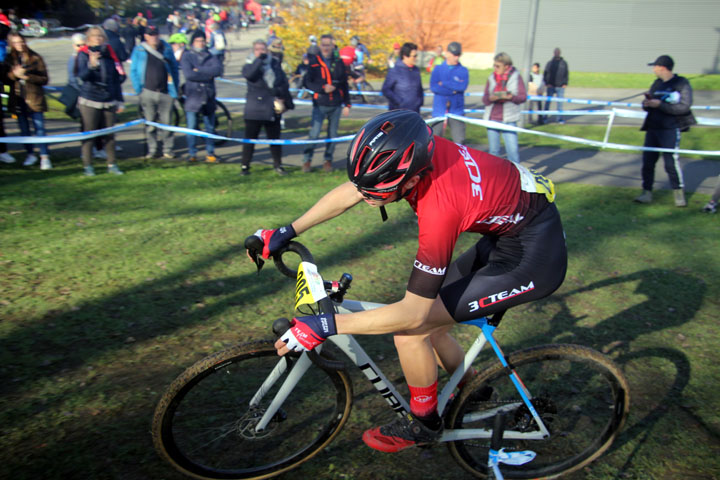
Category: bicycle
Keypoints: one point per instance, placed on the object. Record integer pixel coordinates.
(358, 84)
(246, 413)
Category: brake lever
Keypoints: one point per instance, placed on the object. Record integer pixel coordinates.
(255, 256)
(254, 246)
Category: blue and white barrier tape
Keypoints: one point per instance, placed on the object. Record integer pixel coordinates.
(582, 141)
(467, 94)
(74, 137)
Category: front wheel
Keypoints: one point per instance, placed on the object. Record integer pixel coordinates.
(581, 396)
(205, 424)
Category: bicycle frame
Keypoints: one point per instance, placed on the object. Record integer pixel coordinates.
(357, 355)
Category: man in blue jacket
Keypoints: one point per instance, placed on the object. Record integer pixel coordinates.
(200, 68)
(448, 82)
(152, 64)
(403, 86)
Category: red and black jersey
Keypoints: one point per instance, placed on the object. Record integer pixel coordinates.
(468, 191)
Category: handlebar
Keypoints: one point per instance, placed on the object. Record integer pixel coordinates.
(254, 246)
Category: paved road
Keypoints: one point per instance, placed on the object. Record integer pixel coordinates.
(580, 166)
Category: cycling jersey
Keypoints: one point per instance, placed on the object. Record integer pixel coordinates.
(469, 191)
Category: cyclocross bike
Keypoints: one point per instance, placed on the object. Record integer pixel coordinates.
(245, 413)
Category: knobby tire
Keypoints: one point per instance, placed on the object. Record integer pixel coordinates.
(203, 425)
(580, 394)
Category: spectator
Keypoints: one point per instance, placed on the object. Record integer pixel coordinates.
(711, 206)
(437, 59)
(78, 41)
(268, 96)
(536, 86)
(5, 157)
(218, 42)
(448, 82)
(5, 29)
(154, 75)
(128, 33)
(101, 73)
(403, 86)
(668, 105)
(556, 78)
(362, 54)
(277, 50)
(193, 26)
(200, 68)
(174, 22)
(27, 75)
(327, 79)
(178, 42)
(394, 57)
(503, 99)
(141, 24)
(112, 28)
(299, 76)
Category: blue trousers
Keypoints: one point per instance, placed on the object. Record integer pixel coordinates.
(209, 123)
(509, 138)
(24, 118)
(320, 113)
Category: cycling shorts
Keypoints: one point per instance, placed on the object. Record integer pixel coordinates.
(499, 272)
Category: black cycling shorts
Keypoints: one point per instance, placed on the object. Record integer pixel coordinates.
(500, 272)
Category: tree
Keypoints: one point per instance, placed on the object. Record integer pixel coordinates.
(343, 19)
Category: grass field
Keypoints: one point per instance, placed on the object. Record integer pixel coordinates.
(111, 286)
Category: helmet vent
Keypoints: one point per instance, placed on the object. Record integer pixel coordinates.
(386, 127)
(380, 160)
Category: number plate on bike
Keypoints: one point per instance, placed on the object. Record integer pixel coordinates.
(309, 288)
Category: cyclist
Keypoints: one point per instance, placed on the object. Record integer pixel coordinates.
(452, 189)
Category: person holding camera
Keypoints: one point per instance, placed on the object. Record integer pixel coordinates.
(101, 72)
(504, 95)
(268, 96)
(27, 75)
(667, 104)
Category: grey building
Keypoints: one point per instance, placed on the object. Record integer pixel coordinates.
(615, 35)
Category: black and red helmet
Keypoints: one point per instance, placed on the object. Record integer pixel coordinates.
(389, 150)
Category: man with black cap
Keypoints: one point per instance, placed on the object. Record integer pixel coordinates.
(154, 75)
(668, 105)
(448, 82)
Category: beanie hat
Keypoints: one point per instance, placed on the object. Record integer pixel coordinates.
(197, 34)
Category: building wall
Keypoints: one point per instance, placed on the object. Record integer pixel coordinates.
(616, 35)
(428, 23)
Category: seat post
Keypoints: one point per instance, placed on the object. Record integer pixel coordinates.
(495, 319)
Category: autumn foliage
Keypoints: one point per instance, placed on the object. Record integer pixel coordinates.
(341, 18)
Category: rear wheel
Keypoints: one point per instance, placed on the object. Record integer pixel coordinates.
(581, 396)
(205, 427)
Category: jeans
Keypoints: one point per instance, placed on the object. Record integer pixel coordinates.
(24, 116)
(209, 122)
(560, 92)
(509, 138)
(320, 113)
(157, 106)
